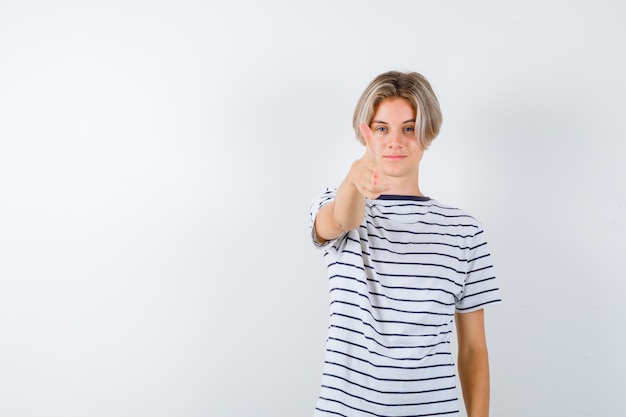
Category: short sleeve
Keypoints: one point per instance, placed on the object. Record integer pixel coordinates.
(324, 198)
(481, 287)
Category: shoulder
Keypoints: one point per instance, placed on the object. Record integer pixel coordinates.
(326, 196)
(323, 198)
(454, 214)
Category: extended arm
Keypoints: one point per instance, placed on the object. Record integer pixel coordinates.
(346, 211)
(473, 362)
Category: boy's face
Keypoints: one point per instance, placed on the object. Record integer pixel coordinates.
(393, 140)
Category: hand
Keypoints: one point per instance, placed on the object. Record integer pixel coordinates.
(365, 172)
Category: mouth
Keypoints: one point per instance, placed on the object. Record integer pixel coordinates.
(394, 157)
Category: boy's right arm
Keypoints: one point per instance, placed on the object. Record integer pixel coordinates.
(342, 214)
(346, 212)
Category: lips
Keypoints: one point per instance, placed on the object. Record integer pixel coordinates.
(395, 157)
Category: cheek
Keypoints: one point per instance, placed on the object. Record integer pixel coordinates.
(376, 142)
(417, 151)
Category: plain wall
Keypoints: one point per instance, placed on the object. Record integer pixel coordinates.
(158, 159)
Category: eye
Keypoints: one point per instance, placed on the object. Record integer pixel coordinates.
(409, 129)
(381, 129)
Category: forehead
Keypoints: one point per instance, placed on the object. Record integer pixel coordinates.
(394, 109)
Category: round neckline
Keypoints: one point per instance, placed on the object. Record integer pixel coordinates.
(402, 197)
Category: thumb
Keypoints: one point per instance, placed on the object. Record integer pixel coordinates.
(375, 160)
(367, 134)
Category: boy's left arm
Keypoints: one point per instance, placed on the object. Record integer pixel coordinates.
(473, 362)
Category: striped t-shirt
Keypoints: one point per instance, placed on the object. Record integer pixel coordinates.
(395, 284)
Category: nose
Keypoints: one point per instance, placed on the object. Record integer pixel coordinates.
(395, 139)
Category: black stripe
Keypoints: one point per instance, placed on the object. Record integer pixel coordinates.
(380, 415)
(330, 412)
(479, 269)
(417, 253)
(373, 352)
(376, 216)
(440, 365)
(465, 297)
(383, 321)
(336, 326)
(390, 405)
(394, 287)
(477, 246)
(347, 316)
(341, 365)
(453, 387)
(426, 212)
(417, 263)
(395, 299)
(497, 300)
(398, 242)
(410, 232)
(479, 281)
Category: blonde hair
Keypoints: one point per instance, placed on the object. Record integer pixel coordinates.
(410, 86)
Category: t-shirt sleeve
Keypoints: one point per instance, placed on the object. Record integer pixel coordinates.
(324, 198)
(481, 287)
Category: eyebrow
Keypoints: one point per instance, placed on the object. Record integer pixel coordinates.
(385, 123)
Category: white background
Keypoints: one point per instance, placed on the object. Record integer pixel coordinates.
(158, 159)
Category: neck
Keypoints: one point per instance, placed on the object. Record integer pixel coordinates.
(400, 187)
